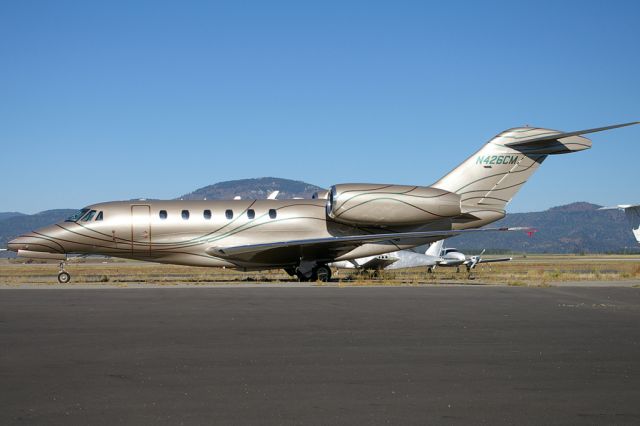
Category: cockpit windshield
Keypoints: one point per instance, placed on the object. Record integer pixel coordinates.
(85, 215)
(77, 215)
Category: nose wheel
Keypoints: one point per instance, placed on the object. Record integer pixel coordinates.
(63, 276)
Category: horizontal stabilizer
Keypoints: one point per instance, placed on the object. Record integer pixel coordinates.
(545, 141)
(561, 135)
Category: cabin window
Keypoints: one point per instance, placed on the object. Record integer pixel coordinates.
(207, 214)
(99, 217)
(89, 216)
(229, 214)
(272, 213)
(251, 213)
(163, 214)
(185, 214)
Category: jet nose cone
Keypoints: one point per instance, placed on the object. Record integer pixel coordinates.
(15, 244)
(32, 242)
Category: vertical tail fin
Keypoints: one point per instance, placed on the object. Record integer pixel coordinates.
(435, 248)
(633, 216)
(490, 178)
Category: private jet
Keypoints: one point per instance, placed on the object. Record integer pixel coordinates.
(349, 221)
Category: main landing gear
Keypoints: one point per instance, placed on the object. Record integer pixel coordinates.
(471, 275)
(312, 272)
(63, 276)
(323, 273)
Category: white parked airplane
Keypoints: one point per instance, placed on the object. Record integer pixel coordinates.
(632, 211)
(452, 257)
(434, 256)
(395, 260)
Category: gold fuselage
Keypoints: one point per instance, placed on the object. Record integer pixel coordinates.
(136, 230)
(263, 234)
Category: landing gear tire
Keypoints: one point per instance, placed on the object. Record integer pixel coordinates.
(429, 270)
(323, 273)
(64, 277)
(318, 273)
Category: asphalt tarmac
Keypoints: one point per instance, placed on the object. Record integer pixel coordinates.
(427, 355)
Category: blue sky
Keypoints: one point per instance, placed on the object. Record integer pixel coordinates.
(106, 100)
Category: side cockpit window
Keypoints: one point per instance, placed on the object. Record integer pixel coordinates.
(77, 215)
(100, 216)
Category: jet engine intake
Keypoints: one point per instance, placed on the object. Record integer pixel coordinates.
(385, 205)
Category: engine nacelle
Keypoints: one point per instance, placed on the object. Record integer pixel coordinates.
(320, 195)
(382, 205)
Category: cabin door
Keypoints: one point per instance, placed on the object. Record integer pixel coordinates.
(140, 230)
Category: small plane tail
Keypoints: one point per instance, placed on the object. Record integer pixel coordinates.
(435, 248)
(490, 178)
(632, 212)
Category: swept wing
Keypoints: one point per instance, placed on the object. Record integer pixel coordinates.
(329, 248)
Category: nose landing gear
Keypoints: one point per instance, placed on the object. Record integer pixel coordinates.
(63, 276)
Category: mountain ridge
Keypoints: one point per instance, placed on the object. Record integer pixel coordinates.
(571, 228)
(254, 188)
